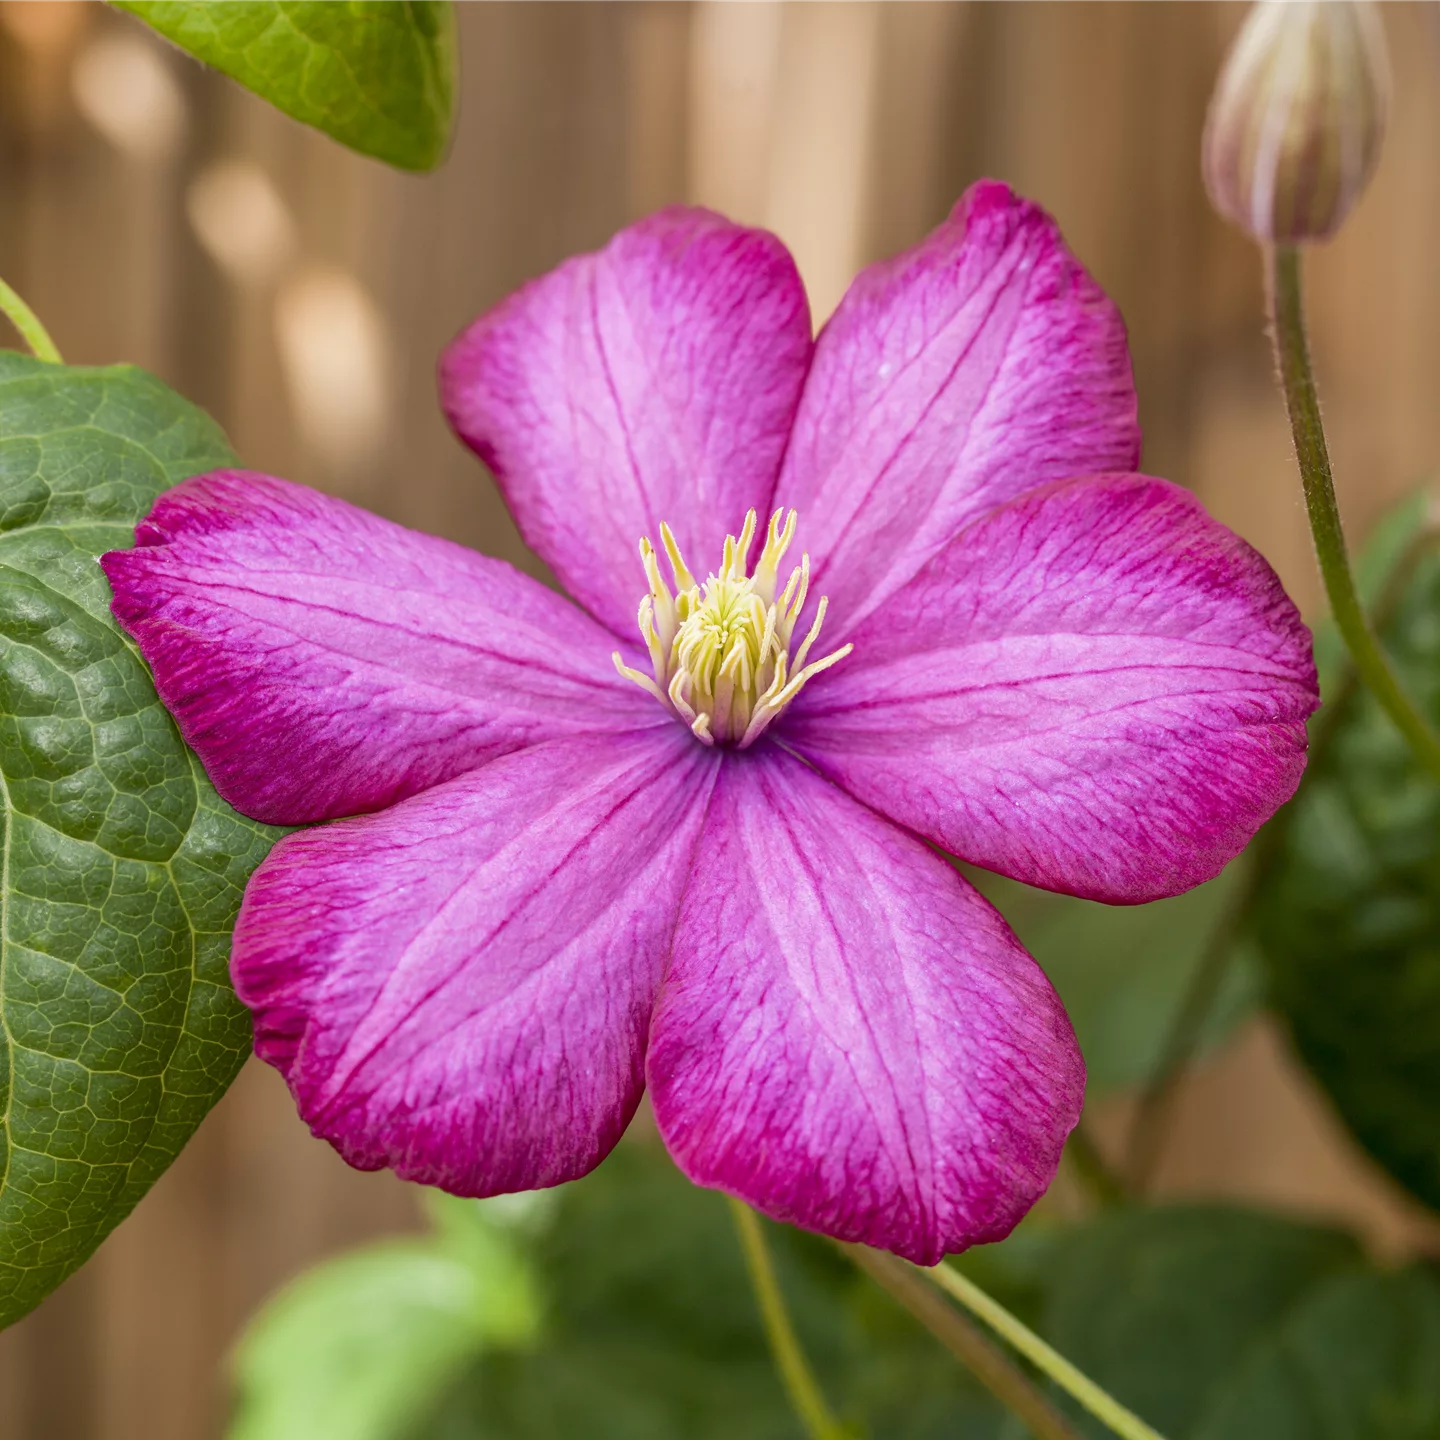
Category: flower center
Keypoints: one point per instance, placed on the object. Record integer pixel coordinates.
(720, 652)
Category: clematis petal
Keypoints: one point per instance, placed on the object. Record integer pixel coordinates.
(459, 988)
(849, 1037)
(655, 380)
(1096, 689)
(979, 364)
(323, 661)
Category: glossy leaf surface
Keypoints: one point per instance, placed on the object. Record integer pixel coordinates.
(377, 75)
(122, 870)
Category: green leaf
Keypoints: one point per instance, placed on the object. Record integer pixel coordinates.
(1358, 1359)
(1123, 970)
(652, 1332)
(377, 75)
(363, 1345)
(1164, 1308)
(1349, 917)
(121, 870)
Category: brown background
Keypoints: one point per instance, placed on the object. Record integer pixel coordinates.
(849, 129)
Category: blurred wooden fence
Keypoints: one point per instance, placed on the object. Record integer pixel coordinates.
(153, 212)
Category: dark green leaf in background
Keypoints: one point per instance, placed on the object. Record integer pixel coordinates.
(1222, 1324)
(651, 1331)
(1357, 1359)
(1213, 1323)
(1163, 1307)
(377, 75)
(648, 1331)
(122, 870)
(1349, 916)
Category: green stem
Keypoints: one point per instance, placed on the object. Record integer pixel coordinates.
(975, 1351)
(1384, 606)
(1297, 379)
(32, 332)
(800, 1382)
(1122, 1421)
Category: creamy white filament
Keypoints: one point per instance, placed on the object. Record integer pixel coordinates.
(720, 652)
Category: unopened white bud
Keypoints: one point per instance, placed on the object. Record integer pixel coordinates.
(1296, 122)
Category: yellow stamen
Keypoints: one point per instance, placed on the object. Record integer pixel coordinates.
(720, 651)
(684, 580)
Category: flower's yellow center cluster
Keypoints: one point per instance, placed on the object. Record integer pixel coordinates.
(721, 652)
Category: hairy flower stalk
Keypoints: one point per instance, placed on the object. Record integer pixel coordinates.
(1293, 136)
(1297, 384)
(720, 652)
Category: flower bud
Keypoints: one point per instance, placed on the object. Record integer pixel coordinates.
(1296, 122)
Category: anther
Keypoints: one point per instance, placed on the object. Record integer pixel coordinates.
(720, 651)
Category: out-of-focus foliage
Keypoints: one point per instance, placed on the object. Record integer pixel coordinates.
(1223, 1324)
(358, 1347)
(1349, 917)
(1123, 970)
(648, 1331)
(1169, 1308)
(1357, 1359)
(651, 1332)
(1209, 1321)
(122, 869)
(377, 75)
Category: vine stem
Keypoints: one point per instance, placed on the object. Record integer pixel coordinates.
(800, 1383)
(32, 332)
(1297, 380)
(1292, 359)
(1046, 1359)
(976, 1351)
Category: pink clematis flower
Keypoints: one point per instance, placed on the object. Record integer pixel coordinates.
(699, 857)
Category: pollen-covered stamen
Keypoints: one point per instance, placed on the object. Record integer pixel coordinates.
(720, 651)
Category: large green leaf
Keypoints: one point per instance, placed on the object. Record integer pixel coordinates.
(1349, 917)
(1166, 1308)
(362, 1345)
(1358, 1359)
(122, 870)
(377, 75)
